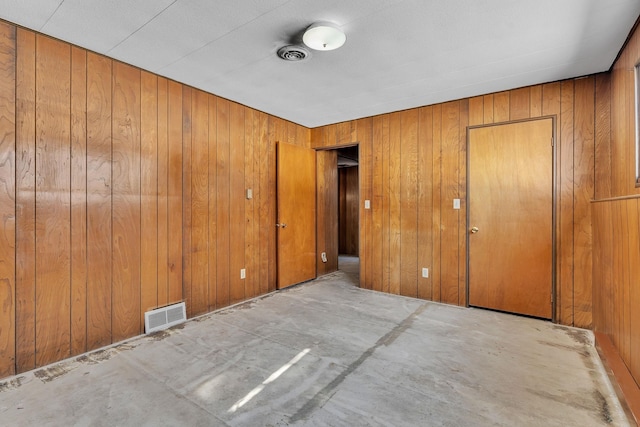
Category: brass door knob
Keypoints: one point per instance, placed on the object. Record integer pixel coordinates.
(474, 230)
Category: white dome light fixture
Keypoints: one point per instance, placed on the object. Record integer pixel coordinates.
(324, 36)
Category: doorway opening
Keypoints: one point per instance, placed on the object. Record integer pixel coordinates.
(348, 210)
(338, 194)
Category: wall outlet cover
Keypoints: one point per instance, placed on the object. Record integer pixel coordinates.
(323, 256)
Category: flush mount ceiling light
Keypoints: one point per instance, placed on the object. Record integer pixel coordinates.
(324, 36)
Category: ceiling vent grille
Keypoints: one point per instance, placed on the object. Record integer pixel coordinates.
(293, 53)
(165, 317)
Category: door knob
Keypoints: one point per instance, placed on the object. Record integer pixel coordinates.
(283, 225)
(474, 230)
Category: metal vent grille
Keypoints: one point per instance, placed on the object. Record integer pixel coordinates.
(293, 53)
(165, 317)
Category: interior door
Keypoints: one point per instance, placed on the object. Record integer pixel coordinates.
(510, 206)
(296, 170)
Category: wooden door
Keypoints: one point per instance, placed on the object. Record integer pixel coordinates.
(510, 206)
(296, 214)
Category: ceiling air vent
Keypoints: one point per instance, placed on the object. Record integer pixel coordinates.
(293, 53)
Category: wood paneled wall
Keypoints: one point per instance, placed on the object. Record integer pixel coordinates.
(348, 230)
(413, 164)
(122, 191)
(327, 210)
(616, 276)
(616, 217)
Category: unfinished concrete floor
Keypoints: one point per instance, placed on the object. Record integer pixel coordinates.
(327, 353)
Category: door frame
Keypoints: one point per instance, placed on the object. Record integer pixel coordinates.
(360, 200)
(554, 196)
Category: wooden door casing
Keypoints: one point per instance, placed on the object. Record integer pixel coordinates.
(510, 201)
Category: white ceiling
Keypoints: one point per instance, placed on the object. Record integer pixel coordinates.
(399, 54)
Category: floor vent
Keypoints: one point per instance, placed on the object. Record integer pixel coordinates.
(165, 317)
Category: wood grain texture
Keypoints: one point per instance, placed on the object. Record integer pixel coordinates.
(78, 201)
(187, 148)
(510, 193)
(99, 222)
(462, 195)
(237, 202)
(436, 271)
(53, 208)
(425, 201)
(199, 203)
(584, 192)
(162, 193)
(377, 206)
(327, 208)
(450, 218)
(364, 129)
(409, 203)
(266, 224)
(395, 260)
(250, 214)
(603, 136)
(213, 204)
(125, 315)
(174, 192)
(25, 257)
(501, 107)
(7, 200)
(520, 104)
(565, 231)
(296, 214)
(223, 222)
(149, 241)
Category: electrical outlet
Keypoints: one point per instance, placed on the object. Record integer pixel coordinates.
(425, 272)
(323, 255)
(243, 273)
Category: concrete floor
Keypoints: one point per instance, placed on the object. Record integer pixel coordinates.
(327, 353)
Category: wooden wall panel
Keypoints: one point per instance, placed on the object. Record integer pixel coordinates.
(409, 203)
(395, 135)
(25, 264)
(425, 201)
(250, 161)
(222, 205)
(377, 265)
(364, 128)
(174, 192)
(187, 168)
(98, 201)
(199, 203)
(162, 194)
(78, 201)
(212, 191)
(584, 192)
(149, 206)
(237, 202)
(386, 203)
(436, 271)
(450, 218)
(7, 199)
(603, 136)
(125, 314)
(565, 254)
(327, 210)
(53, 208)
